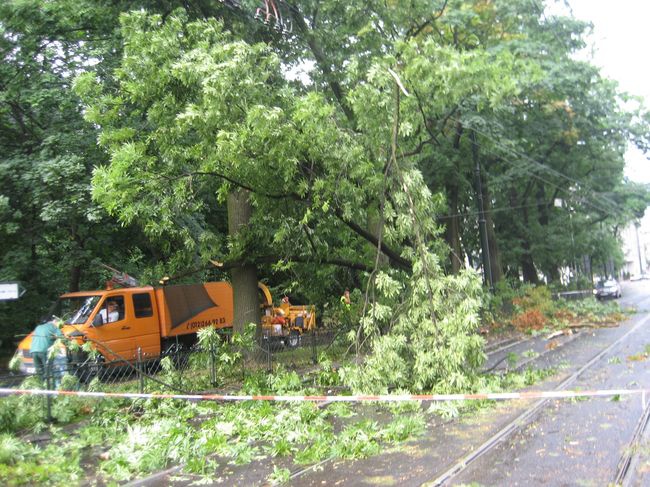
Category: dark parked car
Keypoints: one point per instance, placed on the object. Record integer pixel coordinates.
(608, 289)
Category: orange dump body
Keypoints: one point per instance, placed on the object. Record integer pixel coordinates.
(186, 309)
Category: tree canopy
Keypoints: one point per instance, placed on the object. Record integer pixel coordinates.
(344, 149)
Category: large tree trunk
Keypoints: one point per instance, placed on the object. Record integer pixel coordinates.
(75, 278)
(452, 233)
(495, 255)
(527, 265)
(244, 278)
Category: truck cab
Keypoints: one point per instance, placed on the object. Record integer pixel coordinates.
(133, 323)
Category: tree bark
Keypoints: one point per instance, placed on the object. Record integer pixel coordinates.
(495, 255)
(75, 278)
(452, 233)
(244, 278)
(527, 265)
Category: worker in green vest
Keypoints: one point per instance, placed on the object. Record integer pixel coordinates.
(43, 338)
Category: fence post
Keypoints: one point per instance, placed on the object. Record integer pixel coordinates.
(314, 357)
(246, 354)
(48, 386)
(139, 369)
(268, 354)
(213, 366)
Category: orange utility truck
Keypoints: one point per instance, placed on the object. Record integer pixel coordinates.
(120, 323)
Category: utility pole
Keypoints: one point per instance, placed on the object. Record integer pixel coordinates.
(485, 249)
(638, 247)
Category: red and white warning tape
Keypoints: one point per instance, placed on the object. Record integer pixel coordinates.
(379, 398)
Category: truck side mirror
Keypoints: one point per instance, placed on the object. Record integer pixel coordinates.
(98, 320)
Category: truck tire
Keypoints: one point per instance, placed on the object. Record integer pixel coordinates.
(294, 339)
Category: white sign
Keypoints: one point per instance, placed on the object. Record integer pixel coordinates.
(10, 290)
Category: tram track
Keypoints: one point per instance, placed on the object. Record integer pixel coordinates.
(630, 458)
(527, 415)
(505, 345)
(495, 350)
(454, 468)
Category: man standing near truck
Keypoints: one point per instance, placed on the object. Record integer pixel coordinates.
(43, 338)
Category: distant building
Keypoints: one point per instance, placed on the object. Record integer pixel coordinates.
(636, 248)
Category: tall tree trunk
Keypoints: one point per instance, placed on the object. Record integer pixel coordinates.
(452, 233)
(493, 246)
(75, 278)
(527, 265)
(244, 278)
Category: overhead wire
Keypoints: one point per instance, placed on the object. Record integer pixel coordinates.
(543, 166)
(582, 185)
(533, 175)
(497, 209)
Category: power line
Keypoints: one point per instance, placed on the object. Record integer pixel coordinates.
(491, 210)
(546, 168)
(567, 191)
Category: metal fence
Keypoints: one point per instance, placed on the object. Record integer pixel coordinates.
(573, 295)
(271, 351)
(178, 367)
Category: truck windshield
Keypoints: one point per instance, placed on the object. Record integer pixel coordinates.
(75, 311)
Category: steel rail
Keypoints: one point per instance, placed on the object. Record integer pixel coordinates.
(505, 345)
(534, 358)
(502, 346)
(629, 460)
(523, 364)
(522, 420)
